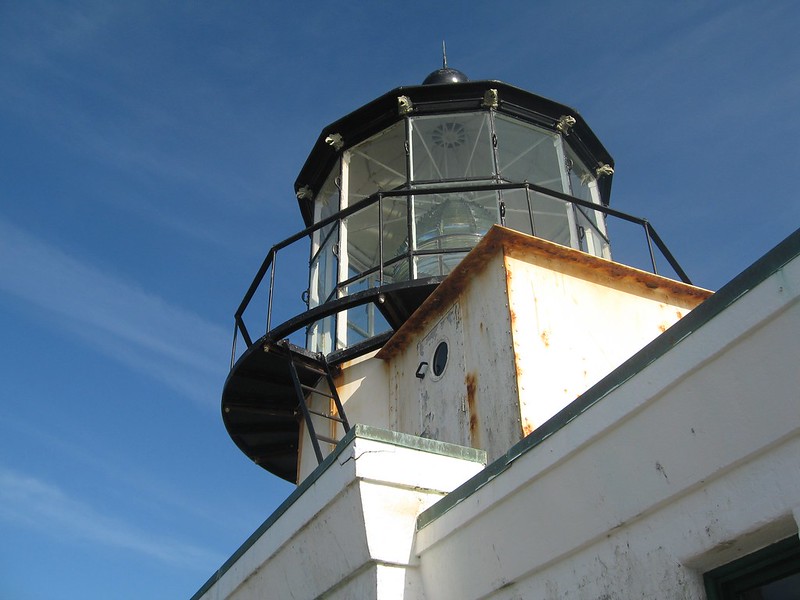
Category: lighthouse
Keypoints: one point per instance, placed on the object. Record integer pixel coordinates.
(480, 396)
(395, 197)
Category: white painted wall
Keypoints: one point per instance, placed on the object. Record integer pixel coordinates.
(573, 323)
(350, 533)
(531, 326)
(689, 464)
(474, 402)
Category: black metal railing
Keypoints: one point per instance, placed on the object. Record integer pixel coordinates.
(652, 240)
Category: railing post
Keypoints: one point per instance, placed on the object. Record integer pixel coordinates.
(380, 239)
(668, 255)
(650, 245)
(412, 243)
(530, 208)
(235, 337)
(271, 288)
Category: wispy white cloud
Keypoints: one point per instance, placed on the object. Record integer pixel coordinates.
(33, 503)
(132, 325)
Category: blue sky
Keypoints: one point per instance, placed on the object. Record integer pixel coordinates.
(147, 161)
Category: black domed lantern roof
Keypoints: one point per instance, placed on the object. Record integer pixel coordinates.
(446, 74)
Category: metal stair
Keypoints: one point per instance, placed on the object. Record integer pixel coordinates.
(316, 365)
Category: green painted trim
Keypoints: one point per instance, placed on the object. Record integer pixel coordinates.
(757, 273)
(405, 440)
(364, 432)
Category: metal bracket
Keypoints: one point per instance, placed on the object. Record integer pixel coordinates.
(404, 105)
(604, 169)
(490, 99)
(305, 193)
(421, 370)
(565, 123)
(335, 140)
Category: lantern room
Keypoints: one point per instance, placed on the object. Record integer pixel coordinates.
(400, 190)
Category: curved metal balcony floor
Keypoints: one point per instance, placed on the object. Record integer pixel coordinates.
(260, 408)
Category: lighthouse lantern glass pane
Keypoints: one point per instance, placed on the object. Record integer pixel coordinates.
(593, 238)
(517, 213)
(321, 334)
(395, 234)
(363, 234)
(457, 220)
(378, 164)
(451, 147)
(445, 223)
(583, 185)
(581, 180)
(437, 265)
(527, 153)
(364, 322)
(362, 240)
(326, 202)
(551, 218)
(324, 268)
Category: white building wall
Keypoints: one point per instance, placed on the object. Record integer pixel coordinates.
(348, 531)
(474, 402)
(530, 326)
(572, 324)
(691, 462)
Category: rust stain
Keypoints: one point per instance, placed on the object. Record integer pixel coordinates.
(506, 242)
(471, 381)
(527, 427)
(509, 274)
(569, 261)
(518, 368)
(663, 327)
(332, 433)
(445, 295)
(679, 314)
(545, 338)
(338, 379)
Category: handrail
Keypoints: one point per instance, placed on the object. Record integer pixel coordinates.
(269, 262)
